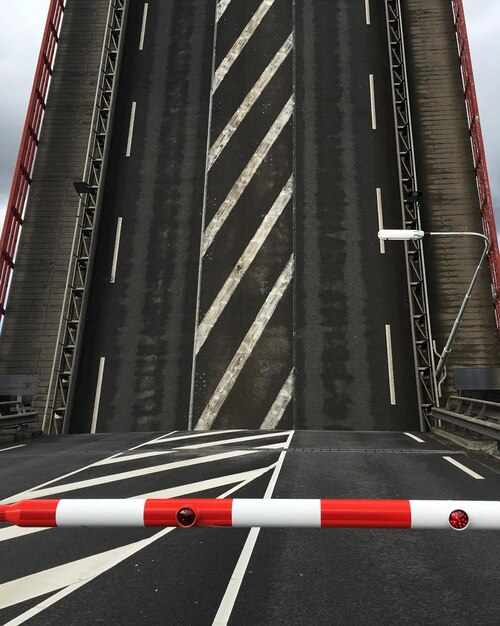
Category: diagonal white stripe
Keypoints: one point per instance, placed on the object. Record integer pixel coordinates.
(246, 176)
(238, 440)
(279, 405)
(242, 265)
(241, 42)
(221, 7)
(145, 471)
(253, 335)
(249, 101)
(212, 434)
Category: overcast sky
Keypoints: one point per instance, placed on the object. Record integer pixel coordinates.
(21, 27)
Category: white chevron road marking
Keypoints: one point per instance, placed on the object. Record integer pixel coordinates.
(253, 95)
(242, 265)
(66, 578)
(246, 176)
(279, 405)
(199, 446)
(227, 603)
(253, 335)
(240, 43)
(145, 471)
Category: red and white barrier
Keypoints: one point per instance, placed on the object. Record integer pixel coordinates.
(281, 513)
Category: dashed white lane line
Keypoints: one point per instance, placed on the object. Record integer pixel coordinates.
(143, 27)
(278, 407)
(245, 349)
(414, 437)
(246, 176)
(21, 445)
(380, 218)
(241, 42)
(233, 588)
(249, 101)
(97, 399)
(390, 363)
(242, 265)
(131, 129)
(221, 7)
(116, 250)
(463, 468)
(372, 102)
(367, 12)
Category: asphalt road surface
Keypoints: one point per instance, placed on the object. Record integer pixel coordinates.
(288, 576)
(239, 281)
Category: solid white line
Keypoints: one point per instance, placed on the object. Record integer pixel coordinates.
(233, 588)
(278, 407)
(245, 349)
(21, 445)
(241, 42)
(115, 252)
(221, 7)
(463, 468)
(414, 437)
(242, 265)
(380, 218)
(246, 176)
(98, 394)
(367, 11)
(143, 29)
(372, 101)
(390, 364)
(249, 101)
(131, 129)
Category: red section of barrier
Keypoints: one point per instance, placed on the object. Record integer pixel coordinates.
(207, 512)
(27, 150)
(37, 513)
(365, 514)
(482, 180)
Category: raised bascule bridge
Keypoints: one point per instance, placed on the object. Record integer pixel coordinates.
(250, 278)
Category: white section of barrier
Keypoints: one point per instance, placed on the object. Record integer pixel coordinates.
(277, 513)
(100, 513)
(436, 513)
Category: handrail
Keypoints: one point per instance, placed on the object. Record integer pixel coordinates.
(480, 167)
(24, 415)
(488, 428)
(16, 206)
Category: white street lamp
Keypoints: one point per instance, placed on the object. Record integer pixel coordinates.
(412, 235)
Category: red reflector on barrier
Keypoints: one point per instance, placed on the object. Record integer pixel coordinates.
(459, 519)
(186, 517)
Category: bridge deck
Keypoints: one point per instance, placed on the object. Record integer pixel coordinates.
(34, 308)
(446, 178)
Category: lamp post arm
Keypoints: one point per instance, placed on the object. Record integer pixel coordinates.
(456, 325)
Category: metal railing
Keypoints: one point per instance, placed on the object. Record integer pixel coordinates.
(479, 416)
(415, 263)
(16, 206)
(480, 167)
(14, 414)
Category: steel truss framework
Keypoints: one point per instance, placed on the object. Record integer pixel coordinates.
(61, 386)
(410, 199)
